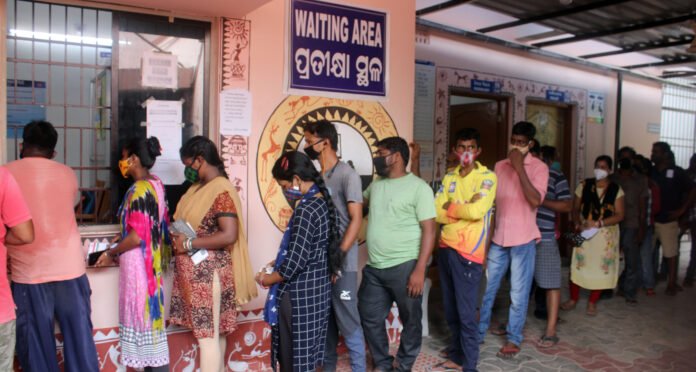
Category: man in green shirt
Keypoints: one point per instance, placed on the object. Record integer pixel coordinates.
(400, 239)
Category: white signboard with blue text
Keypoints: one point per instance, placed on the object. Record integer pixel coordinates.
(337, 48)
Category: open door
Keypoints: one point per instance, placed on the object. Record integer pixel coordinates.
(488, 114)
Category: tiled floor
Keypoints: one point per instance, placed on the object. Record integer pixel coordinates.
(657, 335)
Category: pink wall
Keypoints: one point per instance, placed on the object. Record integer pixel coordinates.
(267, 73)
(641, 98)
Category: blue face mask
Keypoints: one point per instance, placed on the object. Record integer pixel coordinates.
(293, 193)
(556, 165)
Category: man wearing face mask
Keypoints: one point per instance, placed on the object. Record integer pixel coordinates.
(547, 266)
(464, 206)
(345, 187)
(400, 239)
(522, 182)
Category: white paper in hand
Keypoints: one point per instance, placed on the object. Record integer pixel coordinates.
(589, 233)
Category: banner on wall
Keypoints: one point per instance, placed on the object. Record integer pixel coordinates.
(337, 48)
(595, 108)
(26, 102)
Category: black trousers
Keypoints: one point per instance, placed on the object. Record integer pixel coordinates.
(379, 289)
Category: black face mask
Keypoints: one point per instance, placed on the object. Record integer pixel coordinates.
(381, 166)
(311, 152)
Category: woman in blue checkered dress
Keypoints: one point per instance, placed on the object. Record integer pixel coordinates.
(298, 303)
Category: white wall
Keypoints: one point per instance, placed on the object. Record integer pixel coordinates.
(641, 98)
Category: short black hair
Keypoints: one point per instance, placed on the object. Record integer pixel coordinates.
(469, 134)
(629, 150)
(625, 164)
(524, 128)
(396, 144)
(323, 129)
(664, 146)
(40, 135)
(606, 159)
(548, 153)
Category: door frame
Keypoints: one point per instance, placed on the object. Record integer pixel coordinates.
(506, 121)
(570, 141)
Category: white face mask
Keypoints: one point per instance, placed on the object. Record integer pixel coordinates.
(600, 174)
(523, 149)
(466, 158)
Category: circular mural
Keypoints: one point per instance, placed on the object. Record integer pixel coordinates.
(360, 125)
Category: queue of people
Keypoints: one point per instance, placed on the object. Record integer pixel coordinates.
(481, 223)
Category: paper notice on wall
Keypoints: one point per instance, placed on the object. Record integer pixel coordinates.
(164, 119)
(595, 108)
(235, 112)
(159, 70)
(423, 117)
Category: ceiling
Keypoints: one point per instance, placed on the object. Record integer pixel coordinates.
(651, 37)
(216, 8)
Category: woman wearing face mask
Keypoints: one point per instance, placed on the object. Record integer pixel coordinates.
(143, 254)
(598, 204)
(298, 301)
(211, 283)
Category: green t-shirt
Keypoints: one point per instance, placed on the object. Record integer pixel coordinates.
(396, 208)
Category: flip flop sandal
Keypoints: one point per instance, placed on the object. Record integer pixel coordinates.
(546, 342)
(508, 352)
(440, 367)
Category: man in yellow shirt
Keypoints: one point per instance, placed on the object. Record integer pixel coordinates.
(464, 207)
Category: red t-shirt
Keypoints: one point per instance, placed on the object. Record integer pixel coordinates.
(13, 211)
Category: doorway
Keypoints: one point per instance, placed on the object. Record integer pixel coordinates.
(554, 124)
(487, 113)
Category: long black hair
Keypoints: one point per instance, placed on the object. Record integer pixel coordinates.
(205, 148)
(298, 164)
(147, 150)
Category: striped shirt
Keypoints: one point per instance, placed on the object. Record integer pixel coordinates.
(556, 190)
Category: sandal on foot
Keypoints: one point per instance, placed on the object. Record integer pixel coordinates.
(546, 342)
(568, 305)
(500, 331)
(508, 351)
(446, 366)
(444, 353)
(591, 311)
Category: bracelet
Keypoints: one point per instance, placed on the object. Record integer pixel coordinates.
(188, 244)
(111, 254)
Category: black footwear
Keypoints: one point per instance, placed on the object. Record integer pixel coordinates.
(607, 294)
(631, 302)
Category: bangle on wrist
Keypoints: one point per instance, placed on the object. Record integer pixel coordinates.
(111, 253)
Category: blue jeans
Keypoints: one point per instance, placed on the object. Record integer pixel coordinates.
(460, 280)
(520, 259)
(647, 259)
(631, 276)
